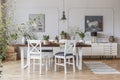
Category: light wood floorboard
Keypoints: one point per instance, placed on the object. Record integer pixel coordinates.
(12, 71)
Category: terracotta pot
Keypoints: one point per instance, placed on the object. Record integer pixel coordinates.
(111, 39)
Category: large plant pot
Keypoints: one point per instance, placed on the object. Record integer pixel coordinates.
(10, 49)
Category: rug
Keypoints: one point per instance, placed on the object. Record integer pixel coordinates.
(100, 68)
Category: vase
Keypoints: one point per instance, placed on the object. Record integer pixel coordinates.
(82, 41)
(56, 41)
(45, 42)
(111, 39)
(64, 36)
(24, 40)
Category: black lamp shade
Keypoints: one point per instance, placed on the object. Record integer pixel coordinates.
(63, 16)
(93, 33)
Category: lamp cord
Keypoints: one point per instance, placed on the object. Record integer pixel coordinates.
(63, 5)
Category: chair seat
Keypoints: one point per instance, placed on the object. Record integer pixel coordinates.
(62, 54)
(47, 50)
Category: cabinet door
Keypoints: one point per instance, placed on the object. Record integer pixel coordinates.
(113, 49)
(107, 49)
(86, 51)
(97, 49)
(110, 49)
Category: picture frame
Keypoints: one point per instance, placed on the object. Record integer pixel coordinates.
(93, 23)
(37, 22)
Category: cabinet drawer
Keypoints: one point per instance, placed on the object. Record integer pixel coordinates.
(86, 50)
(97, 44)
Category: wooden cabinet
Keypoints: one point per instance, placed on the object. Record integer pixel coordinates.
(101, 49)
(110, 49)
(86, 51)
(97, 49)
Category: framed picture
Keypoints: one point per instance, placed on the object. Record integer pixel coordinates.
(37, 22)
(93, 23)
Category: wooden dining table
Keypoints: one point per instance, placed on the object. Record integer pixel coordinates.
(78, 55)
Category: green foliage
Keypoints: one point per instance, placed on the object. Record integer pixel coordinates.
(46, 37)
(56, 38)
(6, 18)
(14, 36)
(81, 34)
(23, 31)
(63, 33)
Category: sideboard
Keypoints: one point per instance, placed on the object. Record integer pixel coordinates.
(100, 49)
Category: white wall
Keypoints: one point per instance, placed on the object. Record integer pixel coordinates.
(75, 12)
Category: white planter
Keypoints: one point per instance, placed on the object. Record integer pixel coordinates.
(24, 41)
(45, 42)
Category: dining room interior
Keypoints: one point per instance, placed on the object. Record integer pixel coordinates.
(59, 40)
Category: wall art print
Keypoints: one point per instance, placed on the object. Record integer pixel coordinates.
(37, 22)
(93, 23)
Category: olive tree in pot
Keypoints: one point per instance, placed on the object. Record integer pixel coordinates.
(6, 22)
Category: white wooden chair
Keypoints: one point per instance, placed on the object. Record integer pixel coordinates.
(67, 54)
(35, 53)
(49, 55)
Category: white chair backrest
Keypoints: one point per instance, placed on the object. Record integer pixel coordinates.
(69, 46)
(62, 40)
(34, 46)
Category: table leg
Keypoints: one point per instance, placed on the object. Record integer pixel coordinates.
(23, 65)
(79, 59)
(22, 57)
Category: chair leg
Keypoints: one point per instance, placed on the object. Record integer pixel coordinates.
(73, 64)
(33, 64)
(47, 64)
(68, 60)
(28, 65)
(65, 67)
(55, 64)
(41, 66)
(49, 61)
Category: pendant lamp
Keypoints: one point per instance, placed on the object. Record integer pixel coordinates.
(63, 13)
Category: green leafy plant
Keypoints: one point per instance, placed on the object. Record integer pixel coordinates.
(46, 37)
(63, 35)
(6, 22)
(81, 34)
(24, 32)
(56, 38)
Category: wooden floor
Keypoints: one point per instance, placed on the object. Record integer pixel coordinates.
(12, 71)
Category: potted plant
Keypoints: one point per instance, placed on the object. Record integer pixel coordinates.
(46, 39)
(63, 35)
(25, 33)
(5, 24)
(81, 35)
(56, 39)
